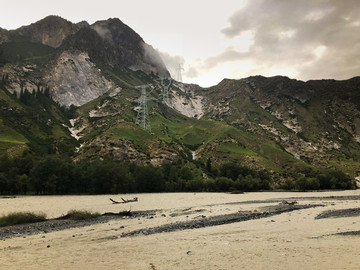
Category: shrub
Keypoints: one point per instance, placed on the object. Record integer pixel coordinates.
(21, 218)
(210, 185)
(223, 184)
(336, 180)
(81, 214)
(288, 184)
(307, 183)
(196, 185)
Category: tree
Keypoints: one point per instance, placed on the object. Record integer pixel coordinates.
(52, 175)
(4, 188)
(307, 183)
(47, 91)
(208, 165)
(185, 173)
(230, 170)
(195, 185)
(333, 179)
(223, 183)
(150, 179)
(5, 163)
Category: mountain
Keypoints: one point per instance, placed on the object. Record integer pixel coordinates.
(278, 124)
(315, 121)
(66, 57)
(50, 31)
(116, 44)
(71, 89)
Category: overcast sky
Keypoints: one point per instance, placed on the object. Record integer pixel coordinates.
(302, 39)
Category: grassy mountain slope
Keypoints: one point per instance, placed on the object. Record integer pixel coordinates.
(35, 123)
(26, 52)
(316, 122)
(107, 126)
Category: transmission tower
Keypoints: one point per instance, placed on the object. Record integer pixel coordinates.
(179, 68)
(142, 119)
(165, 90)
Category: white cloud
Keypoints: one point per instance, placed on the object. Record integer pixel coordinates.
(319, 51)
(288, 34)
(316, 15)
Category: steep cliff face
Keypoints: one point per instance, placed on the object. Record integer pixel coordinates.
(75, 80)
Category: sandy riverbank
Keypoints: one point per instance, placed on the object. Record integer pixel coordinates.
(289, 240)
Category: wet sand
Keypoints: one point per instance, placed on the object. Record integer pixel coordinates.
(289, 240)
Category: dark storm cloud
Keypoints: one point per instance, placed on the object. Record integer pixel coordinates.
(287, 34)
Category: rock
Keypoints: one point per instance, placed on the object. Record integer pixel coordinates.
(74, 79)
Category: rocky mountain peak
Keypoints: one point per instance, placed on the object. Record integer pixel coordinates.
(129, 47)
(51, 30)
(116, 32)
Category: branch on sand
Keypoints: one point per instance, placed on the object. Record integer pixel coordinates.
(135, 199)
(289, 203)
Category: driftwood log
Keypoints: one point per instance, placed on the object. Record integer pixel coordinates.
(135, 199)
(289, 203)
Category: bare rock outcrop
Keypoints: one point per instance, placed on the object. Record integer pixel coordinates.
(74, 79)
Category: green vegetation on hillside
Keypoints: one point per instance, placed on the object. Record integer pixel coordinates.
(9, 135)
(35, 122)
(25, 52)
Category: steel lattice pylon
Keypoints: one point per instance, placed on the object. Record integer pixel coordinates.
(179, 68)
(165, 91)
(142, 119)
